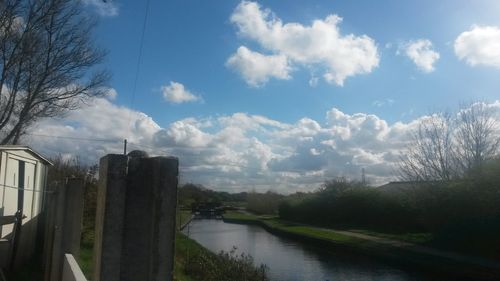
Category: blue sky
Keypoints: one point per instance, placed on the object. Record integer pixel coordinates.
(190, 41)
(282, 81)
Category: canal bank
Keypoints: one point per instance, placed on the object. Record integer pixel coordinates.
(291, 260)
(194, 262)
(403, 254)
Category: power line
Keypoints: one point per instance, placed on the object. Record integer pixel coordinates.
(73, 138)
(139, 58)
(97, 140)
(151, 148)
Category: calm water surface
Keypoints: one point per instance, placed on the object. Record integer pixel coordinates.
(291, 260)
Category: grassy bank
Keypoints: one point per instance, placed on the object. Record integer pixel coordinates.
(184, 249)
(194, 262)
(274, 223)
(421, 238)
(183, 217)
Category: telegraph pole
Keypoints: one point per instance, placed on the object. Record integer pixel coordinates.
(363, 177)
(125, 147)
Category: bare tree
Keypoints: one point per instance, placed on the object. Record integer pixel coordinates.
(445, 148)
(47, 60)
(430, 154)
(476, 135)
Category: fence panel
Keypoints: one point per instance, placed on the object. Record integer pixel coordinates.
(64, 212)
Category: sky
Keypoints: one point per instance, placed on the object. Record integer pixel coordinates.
(279, 95)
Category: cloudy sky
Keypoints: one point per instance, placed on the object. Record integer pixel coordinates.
(279, 95)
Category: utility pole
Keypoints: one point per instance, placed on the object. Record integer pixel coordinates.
(125, 147)
(363, 178)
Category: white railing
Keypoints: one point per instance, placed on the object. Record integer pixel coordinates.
(71, 269)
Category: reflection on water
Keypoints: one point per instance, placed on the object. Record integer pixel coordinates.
(290, 260)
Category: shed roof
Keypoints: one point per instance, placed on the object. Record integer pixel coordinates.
(404, 186)
(28, 149)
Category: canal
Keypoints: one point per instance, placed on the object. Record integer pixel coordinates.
(290, 260)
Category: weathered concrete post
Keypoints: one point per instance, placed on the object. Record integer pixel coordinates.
(149, 232)
(110, 208)
(146, 226)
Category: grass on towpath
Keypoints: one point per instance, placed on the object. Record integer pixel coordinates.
(276, 223)
(324, 233)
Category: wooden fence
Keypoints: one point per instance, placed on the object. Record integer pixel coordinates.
(62, 226)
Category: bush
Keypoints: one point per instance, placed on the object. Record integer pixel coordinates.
(355, 206)
(457, 213)
(263, 203)
(73, 168)
(226, 266)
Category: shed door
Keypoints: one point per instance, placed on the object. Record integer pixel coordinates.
(29, 193)
(11, 192)
(19, 194)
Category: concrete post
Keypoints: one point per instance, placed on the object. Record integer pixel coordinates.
(110, 208)
(135, 230)
(149, 234)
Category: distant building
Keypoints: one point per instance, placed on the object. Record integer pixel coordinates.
(23, 174)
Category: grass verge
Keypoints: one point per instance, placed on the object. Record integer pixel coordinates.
(422, 238)
(290, 227)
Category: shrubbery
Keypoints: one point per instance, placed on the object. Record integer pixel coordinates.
(458, 213)
(226, 266)
(73, 168)
(341, 204)
(263, 203)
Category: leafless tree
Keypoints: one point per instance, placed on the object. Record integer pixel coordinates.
(430, 154)
(446, 147)
(476, 135)
(47, 63)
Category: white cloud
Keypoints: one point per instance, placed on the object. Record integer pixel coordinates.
(422, 54)
(103, 8)
(479, 46)
(240, 151)
(320, 44)
(313, 82)
(382, 103)
(102, 121)
(183, 134)
(177, 93)
(257, 68)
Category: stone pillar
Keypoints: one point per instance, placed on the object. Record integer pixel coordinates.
(144, 220)
(110, 208)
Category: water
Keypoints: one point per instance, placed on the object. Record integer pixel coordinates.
(290, 260)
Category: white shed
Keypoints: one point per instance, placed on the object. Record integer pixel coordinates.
(23, 174)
